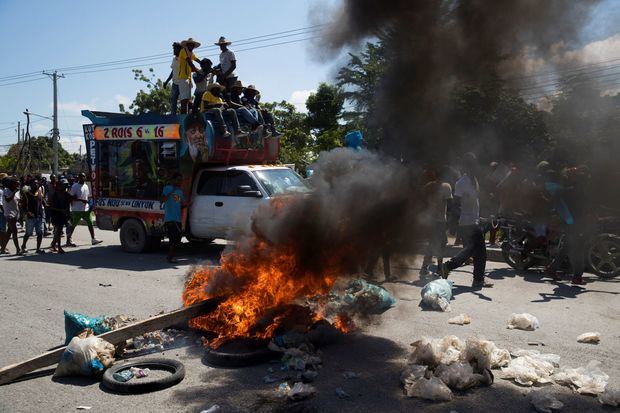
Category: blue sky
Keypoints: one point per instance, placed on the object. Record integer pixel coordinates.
(62, 33)
(39, 34)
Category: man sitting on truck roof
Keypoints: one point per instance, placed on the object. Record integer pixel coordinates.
(174, 76)
(186, 67)
(246, 113)
(213, 104)
(173, 198)
(250, 98)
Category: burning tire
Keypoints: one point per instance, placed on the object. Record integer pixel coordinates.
(144, 385)
(239, 353)
(603, 256)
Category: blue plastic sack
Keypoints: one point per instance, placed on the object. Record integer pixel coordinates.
(437, 294)
(366, 298)
(76, 323)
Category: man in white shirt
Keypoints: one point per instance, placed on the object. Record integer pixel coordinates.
(80, 209)
(437, 194)
(228, 63)
(466, 190)
(10, 206)
(174, 76)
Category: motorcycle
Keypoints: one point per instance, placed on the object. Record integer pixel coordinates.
(527, 245)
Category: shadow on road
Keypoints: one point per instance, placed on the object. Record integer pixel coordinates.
(379, 362)
(114, 257)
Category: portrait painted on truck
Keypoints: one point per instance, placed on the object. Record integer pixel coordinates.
(196, 138)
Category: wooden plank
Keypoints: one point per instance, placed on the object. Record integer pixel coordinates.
(14, 371)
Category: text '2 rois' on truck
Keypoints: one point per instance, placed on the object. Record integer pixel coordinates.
(132, 157)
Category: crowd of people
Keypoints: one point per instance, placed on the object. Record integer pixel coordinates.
(234, 109)
(36, 206)
(470, 201)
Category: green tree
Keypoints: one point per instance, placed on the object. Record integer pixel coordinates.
(156, 98)
(324, 108)
(35, 156)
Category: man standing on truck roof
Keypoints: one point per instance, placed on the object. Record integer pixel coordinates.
(80, 209)
(174, 76)
(173, 198)
(228, 64)
(186, 67)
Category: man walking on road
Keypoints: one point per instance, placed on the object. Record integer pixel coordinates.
(173, 198)
(467, 192)
(32, 204)
(10, 205)
(80, 209)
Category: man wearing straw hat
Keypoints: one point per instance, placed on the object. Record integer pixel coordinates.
(186, 67)
(228, 64)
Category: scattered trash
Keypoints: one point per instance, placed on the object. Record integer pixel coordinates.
(84, 407)
(123, 375)
(610, 397)
(341, 393)
(75, 323)
(544, 401)
(591, 338)
(460, 319)
(300, 391)
(523, 321)
(157, 340)
(139, 373)
(528, 370)
(363, 297)
(213, 409)
(548, 357)
(461, 376)
(429, 389)
(535, 343)
(105, 285)
(350, 375)
(585, 380)
(270, 379)
(412, 373)
(86, 355)
(310, 375)
(432, 352)
(437, 294)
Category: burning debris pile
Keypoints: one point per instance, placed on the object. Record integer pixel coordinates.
(299, 246)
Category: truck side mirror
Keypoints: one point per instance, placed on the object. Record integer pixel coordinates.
(246, 190)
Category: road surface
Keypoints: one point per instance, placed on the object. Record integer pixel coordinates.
(34, 291)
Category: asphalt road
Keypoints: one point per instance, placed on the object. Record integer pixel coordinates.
(34, 291)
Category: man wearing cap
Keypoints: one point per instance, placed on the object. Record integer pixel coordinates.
(174, 76)
(186, 67)
(228, 64)
(245, 113)
(3, 233)
(10, 206)
(80, 210)
(202, 78)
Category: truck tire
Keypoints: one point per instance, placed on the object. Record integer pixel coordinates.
(133, 236)
(136, 386)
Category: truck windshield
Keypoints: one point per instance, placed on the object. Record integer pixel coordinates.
(281, 181)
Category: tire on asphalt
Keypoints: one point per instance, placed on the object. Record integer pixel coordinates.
(220, 357)
(144, 385)
(133, 236)
(603, 256)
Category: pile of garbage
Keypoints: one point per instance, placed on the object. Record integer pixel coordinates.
(359, 297)
(86, 355)
(155, 341)
(75, 323)
(436, 367)
(437, 294)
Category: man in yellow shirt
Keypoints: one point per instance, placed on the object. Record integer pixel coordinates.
(186, 67)
(213, 104)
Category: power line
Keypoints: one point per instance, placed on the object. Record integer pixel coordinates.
(249, 40)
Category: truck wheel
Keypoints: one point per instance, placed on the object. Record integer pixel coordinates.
(133, 236)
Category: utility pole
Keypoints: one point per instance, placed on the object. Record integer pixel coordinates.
(55, 132)
(18, 131)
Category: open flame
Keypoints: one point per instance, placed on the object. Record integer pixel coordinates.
(262, 278)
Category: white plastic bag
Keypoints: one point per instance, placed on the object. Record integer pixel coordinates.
(460, 319)
(544, 401)
(528, 370)
(461, 376)
(590, 338)
(548, 357)
(610, 397)
(86, 355)
(429, 389)
(431, 352)
(300, 391)
(412, 373)
(586, 380)
(437, 294)
(484, 354)
(523, 321)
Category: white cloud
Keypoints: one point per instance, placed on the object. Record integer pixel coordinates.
(122, 100)
(299, 97)
(75, 108)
